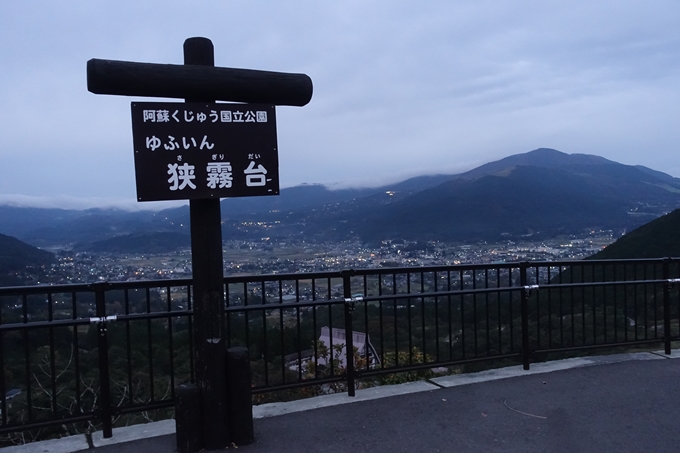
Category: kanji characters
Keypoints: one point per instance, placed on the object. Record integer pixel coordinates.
(149, 115)
(227, 116)
(219, 173)
(181, 176)
(156, 116)
(162, 116)
(255, 177)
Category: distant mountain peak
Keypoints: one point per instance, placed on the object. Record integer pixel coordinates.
(541, 157)
(547, 151)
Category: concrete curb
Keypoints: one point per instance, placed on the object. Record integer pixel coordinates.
(274, 409)
(63, 445)
(545, 367)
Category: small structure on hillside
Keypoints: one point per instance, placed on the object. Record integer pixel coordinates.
(332, 339)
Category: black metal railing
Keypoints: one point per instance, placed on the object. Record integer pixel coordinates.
(82, 357)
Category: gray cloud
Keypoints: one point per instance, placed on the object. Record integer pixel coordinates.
(400, 88)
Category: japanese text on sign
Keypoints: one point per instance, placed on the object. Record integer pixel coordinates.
(192, 150)
(188, 116)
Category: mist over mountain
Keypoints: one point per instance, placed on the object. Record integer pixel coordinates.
(45, 227)
(541, 193)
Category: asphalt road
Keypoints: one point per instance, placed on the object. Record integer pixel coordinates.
(621, 407)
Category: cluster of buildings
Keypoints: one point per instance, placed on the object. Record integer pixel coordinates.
(354, 255)
(85, 267)
(275, 257)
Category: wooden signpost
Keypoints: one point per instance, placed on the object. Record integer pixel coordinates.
(199, 82)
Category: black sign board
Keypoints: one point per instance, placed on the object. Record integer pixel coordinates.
(204, 150)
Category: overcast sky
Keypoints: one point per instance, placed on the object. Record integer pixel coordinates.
(401, 88)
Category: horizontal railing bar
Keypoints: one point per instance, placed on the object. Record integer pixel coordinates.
(45, 289)
(340, 300)
(598, 346)
(293, 385)
(85, 321)
(601, 262)
(281, 277)
(283, 305)
(441, 268)
(44, 324)
(597, 284)
(453, 293)
(317, 302)
(404, 270)
(422, 366)
(154, 315)
(457, 292)
(56, 421)
(143, 284)
(91, 287)
(160, 283)
(130, 409)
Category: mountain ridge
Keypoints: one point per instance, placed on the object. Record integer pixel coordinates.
(656, 239)
(542, 192)
(16, 256)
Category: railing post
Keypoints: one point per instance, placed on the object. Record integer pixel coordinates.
(349, 339)
(239, 395)
(667, 306)
(526, 354)
(188, 431)
(103, 352)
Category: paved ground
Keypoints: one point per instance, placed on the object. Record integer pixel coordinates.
(623, 406)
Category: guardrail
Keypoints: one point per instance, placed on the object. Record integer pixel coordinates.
(81, 357)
